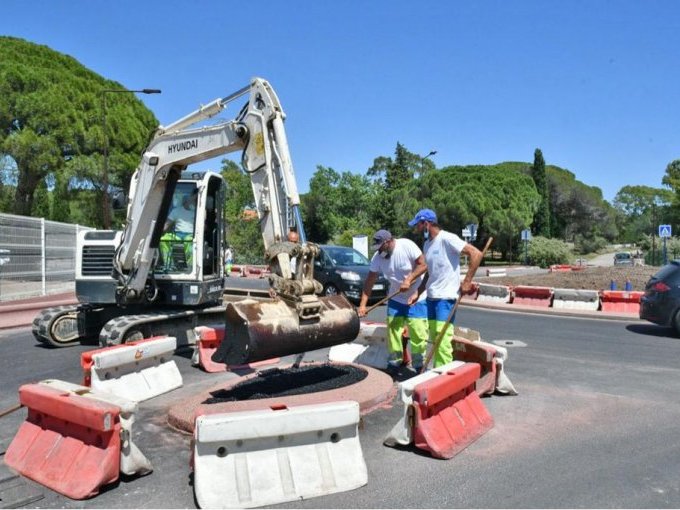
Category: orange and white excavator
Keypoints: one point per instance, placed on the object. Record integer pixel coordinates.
(148, 280)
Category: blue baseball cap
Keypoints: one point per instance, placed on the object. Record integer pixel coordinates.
(423, 215)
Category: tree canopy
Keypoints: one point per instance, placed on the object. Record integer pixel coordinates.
(51, 124)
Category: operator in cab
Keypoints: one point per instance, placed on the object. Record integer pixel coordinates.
(179, 229)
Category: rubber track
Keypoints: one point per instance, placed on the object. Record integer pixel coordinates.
(156, 323)
(43, 320)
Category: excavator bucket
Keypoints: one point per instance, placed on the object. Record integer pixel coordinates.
(260, 330)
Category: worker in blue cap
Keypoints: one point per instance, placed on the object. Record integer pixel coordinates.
(442, 282)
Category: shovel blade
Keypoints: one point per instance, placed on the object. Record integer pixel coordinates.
(261, 330)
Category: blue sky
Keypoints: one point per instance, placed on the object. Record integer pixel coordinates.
(594, 84)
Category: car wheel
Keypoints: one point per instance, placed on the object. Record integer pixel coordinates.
(676, 323)
(331, 290)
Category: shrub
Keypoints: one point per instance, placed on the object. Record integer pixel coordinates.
(544, 252)
(585, 245)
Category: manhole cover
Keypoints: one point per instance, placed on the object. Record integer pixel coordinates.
(510, 343)
(278, 382)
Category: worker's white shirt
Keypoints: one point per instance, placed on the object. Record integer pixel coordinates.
(183, 218)
(442, 255)
(398, 266)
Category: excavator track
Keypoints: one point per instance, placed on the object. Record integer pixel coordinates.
(57, 326)
(128, 328)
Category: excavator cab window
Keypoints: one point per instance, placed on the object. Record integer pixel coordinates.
(176, 243)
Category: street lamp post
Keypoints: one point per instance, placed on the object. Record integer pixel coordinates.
(105, 176)
(422, 160)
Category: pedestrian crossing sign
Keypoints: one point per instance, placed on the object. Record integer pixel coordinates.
(665, 231)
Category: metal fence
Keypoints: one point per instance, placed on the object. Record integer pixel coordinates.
(37, 256)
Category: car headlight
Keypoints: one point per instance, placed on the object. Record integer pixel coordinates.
(350, 276)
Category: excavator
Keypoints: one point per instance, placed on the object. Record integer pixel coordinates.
(164, 272)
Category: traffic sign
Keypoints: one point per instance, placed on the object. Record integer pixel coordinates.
(526, 235)
(466, 233)
(665, 231)
(472, 228)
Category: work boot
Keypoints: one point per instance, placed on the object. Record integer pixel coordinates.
(417, 362)
(394, 362)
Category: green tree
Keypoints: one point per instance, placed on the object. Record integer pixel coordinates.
(639, 207)
(392, 176)
(41, 201)
(243, 230)
(338, 203)
(51, 121)
(542, 218)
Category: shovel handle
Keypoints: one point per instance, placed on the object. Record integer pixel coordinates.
(438, 340)
(10, 410)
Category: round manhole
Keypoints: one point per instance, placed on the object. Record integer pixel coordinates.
(284, 382)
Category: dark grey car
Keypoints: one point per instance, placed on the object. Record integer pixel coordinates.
(341, 269)
(661, 301)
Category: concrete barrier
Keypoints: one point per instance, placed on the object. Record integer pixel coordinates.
(621, 301)
(574, 299)
(500, 271)
(494, 293)
(533, 296)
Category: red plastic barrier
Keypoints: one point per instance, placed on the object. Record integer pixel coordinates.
(472, 352)
(620, 301)
(86, 360)
(68, 443)
(534, 296)
(560, 268)
(449, 415)
(209, 339)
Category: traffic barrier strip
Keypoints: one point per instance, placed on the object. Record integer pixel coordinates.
(257, 458)
(132, 460)
(533, 296)
(481, 353)
(560, 268)
(402, 432)
(621, 301)
(575, 299)
(208, 339)
(448, 413)
(68, 443)
(137, 371)
(494, 293)
(500, 271)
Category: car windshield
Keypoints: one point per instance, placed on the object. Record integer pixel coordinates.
(667, 270)
(344, 256)
(623, 256)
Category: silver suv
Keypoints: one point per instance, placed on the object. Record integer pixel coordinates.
(624, 259)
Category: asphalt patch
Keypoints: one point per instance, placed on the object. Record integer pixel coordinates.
(278, 382)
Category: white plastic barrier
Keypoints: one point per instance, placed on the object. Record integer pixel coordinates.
(576, 299)
(496, 293)
(368, 348)
(256, 458)
(137, 372)
(132, 460)
(402, 432)
(500, 271)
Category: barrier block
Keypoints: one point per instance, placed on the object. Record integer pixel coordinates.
(369, 347)
(500, 271)
(402, 432)
(494, 293)
(533, 296)
(257, 458)
(132, 460)
(481, 353)
(208, 340)
(576, 299)
(68, 443)
(449, 415)
(621, 301)
(137, 371)
(560, 268)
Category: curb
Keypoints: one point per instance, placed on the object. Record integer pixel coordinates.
(15, 314)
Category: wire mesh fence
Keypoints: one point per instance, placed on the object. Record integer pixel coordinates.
(37, 256)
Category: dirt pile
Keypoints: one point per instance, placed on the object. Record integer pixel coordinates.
(590, 278)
